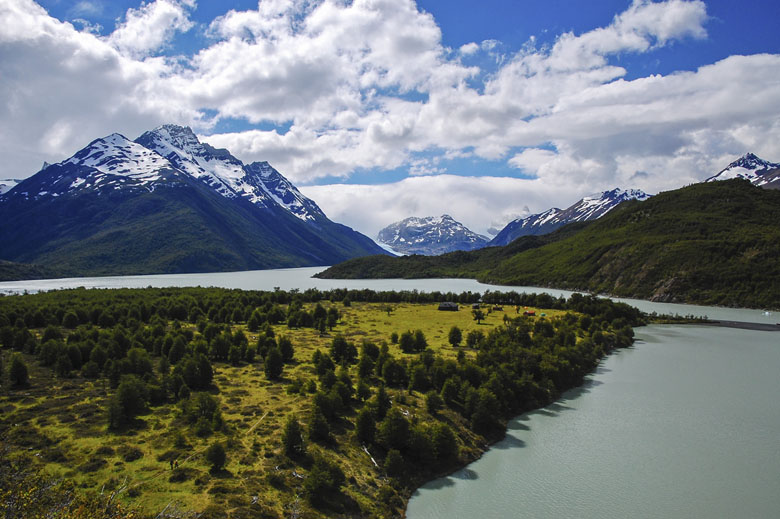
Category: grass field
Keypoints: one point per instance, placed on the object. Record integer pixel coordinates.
(62, 424)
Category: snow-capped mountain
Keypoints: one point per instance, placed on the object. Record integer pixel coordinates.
(166, 203)
(758, 171)
(6, 184)
(430, 236)
(258, 182)
(588, 208)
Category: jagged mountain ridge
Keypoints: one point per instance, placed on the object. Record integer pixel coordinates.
(588, 208)
(758, 171)
(430, 236)
(119, 206)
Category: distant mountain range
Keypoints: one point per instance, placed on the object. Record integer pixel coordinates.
(430, 236)
(713, 243)
(588, 208)
(166, 203)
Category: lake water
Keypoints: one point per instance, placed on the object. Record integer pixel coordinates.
(683, 424)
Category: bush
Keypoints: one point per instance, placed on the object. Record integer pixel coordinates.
(216, 457)
(17, 372)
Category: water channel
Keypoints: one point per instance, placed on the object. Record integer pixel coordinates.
(683, 424)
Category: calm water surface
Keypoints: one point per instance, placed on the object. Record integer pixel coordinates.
(682, 425)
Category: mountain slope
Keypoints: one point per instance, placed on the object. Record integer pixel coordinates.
(712, 243)
(118, 207)
(430, 236)
(588, 208)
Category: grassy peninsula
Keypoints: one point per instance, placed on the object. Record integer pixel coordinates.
(713, 243)
(228, 403)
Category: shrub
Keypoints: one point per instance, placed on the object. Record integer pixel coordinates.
(216, 457)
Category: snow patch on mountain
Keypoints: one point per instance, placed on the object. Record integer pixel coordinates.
(116, 155)
(752, 168)
(259, 183)
(7, 184)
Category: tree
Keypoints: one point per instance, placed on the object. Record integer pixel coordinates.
(394, 463)
(393, 431)
(292, 437)
(286, 348)
(478, 314)
(17, 371)
(474, 338)
(365, 426)
(129, 400)
(445, 444)
(216, 456)
(324, 481)
(274, 364)
(407, 342)
(420, 342)
(455, 336)
(394, 337)
(319, 430)
(433, 402)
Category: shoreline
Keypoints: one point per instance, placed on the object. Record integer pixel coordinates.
(743, 325)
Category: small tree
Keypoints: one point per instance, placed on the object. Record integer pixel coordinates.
(17, 371)
(365, 426)
(407, 342)
(456, 336)
(433, 402)
(478, 314)
(216, 456)
(274, 364)
(394, 463)
(324, 481)
(292, 437)
(420, 342)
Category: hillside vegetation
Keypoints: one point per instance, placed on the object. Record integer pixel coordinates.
(226, 403)
(714, 243)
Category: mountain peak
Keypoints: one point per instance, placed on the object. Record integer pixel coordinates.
(752, 162)
(430, 235)
(750, 167)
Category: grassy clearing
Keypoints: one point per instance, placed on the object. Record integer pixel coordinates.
(62, 422)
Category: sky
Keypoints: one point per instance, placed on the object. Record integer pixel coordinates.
(384, 109)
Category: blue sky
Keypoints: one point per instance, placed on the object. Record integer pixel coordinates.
(383, 109)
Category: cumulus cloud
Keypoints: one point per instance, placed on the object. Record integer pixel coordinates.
(368, 85)
(151, 26)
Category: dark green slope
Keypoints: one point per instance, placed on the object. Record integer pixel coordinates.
(182, 227)
(715, 243)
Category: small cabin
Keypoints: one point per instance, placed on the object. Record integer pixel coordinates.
(448, 307)
(475, 306)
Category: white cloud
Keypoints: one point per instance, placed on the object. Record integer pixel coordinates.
(151, 26)
(368, 85)
(477, 202)
(469, 48)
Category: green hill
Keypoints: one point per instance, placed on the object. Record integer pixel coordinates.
(715, 243)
